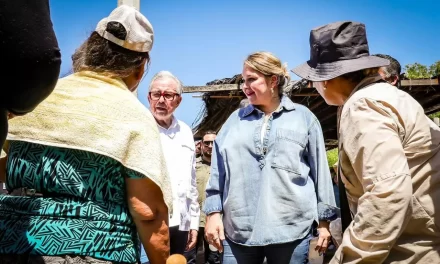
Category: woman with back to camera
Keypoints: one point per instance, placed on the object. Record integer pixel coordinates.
(85, 169)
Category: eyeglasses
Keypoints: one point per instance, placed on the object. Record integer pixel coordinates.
(166, 95)
(207, 143)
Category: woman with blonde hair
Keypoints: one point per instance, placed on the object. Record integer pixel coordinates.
(269, 176)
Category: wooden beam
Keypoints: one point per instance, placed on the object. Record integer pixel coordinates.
(316, 105)
(432, 109)
(134, 3)
(421, 82)
(211, 88)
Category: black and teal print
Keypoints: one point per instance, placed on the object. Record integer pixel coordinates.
(83, 210)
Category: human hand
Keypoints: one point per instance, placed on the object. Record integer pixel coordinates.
(214, 231)
(192, 239)
(324, 237)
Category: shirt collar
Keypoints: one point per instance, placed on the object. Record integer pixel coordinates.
(285, 104)
(172, 130)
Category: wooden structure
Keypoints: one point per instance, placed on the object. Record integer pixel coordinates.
(134, 3)
(222, 97)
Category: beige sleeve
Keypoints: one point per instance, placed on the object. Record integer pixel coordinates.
(372, 143)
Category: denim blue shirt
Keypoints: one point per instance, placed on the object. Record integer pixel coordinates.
(272, 192)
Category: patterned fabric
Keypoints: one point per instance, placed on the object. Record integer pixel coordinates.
(83, 210)
(18, 259)
(93, 112)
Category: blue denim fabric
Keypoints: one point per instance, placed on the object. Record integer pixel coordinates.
(273, 192)
(144, 258)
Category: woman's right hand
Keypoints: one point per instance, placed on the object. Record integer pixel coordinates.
(214, 231)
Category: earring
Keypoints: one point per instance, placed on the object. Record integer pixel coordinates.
(271, 90)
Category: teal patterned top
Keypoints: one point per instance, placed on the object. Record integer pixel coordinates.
(83, 210)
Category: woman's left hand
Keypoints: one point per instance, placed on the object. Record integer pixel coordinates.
(324, 237)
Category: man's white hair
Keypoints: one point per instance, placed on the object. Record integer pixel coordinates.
(167, 74)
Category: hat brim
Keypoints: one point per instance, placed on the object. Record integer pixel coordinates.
(328, 71)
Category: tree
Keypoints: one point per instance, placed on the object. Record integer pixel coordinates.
(434, 69)
(420, 71)
(332, 157)
(416, 71)
(435, 115)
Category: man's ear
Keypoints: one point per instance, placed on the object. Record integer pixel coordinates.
(179, 100)
(394, 80)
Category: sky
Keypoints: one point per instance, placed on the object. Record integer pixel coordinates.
(200, 41)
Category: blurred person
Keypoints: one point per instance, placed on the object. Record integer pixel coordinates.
(28, 46)
(204, 252)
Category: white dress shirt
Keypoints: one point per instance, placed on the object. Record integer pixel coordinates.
(179, 151)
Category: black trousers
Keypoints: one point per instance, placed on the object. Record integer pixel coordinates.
(202, 254)
(178, 240)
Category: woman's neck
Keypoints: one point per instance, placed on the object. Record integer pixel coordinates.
(271, 106)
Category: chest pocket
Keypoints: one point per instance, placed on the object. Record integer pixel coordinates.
(289, 147)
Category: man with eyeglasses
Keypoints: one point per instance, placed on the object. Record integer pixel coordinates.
(179, 150)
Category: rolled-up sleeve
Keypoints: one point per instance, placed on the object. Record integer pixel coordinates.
(371, 140)
(320, 173)
(214, 189)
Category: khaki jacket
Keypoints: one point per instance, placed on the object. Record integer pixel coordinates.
(203, 171)
(390, 166)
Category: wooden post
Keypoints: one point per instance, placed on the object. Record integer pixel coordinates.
(136, 4)
(437, 121)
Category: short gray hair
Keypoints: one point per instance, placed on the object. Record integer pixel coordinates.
(167, 74)
(393, 69)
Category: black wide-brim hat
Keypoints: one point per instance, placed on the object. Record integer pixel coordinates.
(336, 49)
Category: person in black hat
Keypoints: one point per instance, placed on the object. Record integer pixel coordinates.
(389, 153)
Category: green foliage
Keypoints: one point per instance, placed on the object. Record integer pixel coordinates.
(435, 115)
(434, 69)
(332, 157)
(416, 71)
(420, 71)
